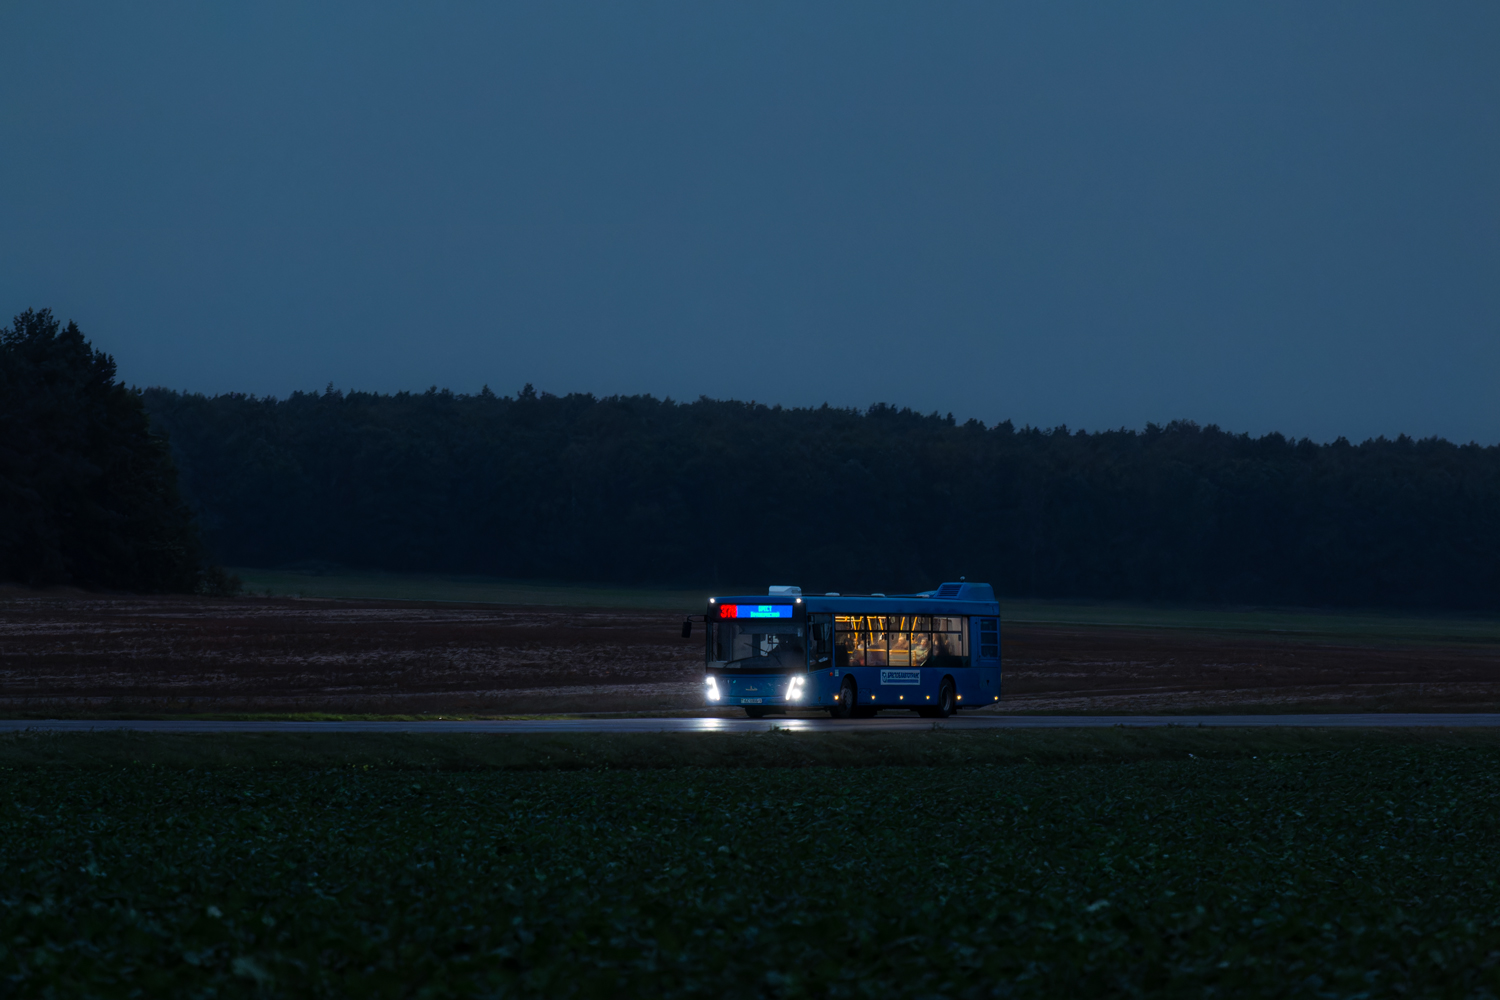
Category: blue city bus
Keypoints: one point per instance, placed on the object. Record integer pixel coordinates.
(854, 654)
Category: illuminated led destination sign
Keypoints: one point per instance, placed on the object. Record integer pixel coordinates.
(755, 611)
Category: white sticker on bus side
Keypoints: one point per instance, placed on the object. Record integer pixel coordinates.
(901, 677)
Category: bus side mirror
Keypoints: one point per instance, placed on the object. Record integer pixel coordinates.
(687, 628)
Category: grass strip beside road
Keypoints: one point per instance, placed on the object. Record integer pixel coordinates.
(1180, 862)
(460, 752)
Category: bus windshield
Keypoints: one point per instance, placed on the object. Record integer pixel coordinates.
(768, 646)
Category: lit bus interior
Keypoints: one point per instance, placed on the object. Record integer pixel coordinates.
(859, 641)
(899, 641)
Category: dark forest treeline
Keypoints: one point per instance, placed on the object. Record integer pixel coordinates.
(642, 490)
(88, 494)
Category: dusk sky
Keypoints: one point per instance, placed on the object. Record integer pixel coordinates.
(1269, 216)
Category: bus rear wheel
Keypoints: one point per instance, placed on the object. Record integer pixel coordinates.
(947, 702)
(844, 707)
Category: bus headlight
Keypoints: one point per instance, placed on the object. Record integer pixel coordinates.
(794, 688)
(711, 687)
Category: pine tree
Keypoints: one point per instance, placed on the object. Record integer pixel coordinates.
(88, 494)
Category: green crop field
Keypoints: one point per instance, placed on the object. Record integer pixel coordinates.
(1179, 862)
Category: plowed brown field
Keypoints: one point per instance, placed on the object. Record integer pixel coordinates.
(87, 654)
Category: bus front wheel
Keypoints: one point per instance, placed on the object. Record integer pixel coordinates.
(844, 707)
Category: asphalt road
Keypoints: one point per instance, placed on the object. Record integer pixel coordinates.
(817, 725)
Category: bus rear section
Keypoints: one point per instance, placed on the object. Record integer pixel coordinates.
(854, 655)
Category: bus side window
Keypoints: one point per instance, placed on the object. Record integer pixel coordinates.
(849, 649)
(899, 654)
(921, 648)
(820, 643)
(989, 638)
(948, 641)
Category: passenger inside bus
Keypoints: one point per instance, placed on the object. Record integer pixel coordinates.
(899, 641)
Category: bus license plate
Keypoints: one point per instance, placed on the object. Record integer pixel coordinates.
(751, 701)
